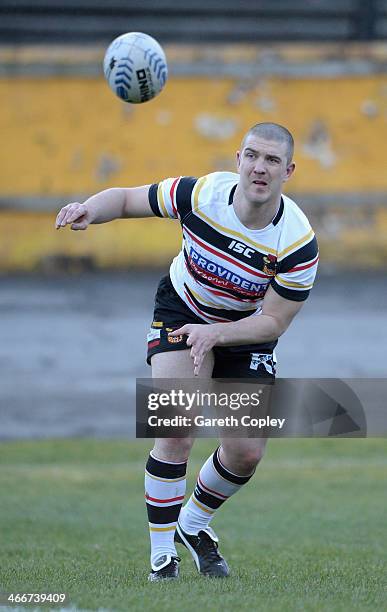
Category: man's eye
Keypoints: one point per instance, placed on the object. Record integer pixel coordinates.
(274, 160)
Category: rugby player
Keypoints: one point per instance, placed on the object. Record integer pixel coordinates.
(247, 265)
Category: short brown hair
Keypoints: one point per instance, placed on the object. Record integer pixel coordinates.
(272, 131)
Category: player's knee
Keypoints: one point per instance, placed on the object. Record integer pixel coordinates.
(172, 449)
(243, 461)
(248, 462)
(254, 457)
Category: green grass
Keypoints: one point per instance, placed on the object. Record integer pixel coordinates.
(309, 532)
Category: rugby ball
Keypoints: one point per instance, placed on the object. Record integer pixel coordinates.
(135, 67)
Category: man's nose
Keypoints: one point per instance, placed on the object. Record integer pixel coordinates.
(259, 166)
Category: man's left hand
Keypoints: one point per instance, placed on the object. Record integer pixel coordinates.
(201, 339)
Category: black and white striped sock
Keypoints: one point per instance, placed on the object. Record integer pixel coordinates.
(165, 485)
(215, 484)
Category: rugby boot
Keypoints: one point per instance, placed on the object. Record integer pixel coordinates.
(165, 568)
(204, 550)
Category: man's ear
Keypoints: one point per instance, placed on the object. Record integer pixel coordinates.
(289, 171)
(238, 159)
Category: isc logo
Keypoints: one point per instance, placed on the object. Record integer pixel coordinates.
(239, 247)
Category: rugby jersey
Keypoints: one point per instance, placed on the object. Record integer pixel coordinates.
(224, 268)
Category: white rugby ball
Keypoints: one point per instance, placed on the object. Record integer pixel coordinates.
(135, 67)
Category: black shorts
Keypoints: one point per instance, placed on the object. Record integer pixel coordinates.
(170, 313)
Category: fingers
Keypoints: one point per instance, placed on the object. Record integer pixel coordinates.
(198, 360)
(197, 356)
(60, 219)
(182, 330)
(70, 214)
(79, 226)
(198, 350)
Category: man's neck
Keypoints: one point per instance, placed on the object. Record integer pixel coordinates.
(254, 216)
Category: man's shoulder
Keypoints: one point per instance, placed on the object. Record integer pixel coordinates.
(293, 214)
(297, 242)
(219, 179)
(214, 189)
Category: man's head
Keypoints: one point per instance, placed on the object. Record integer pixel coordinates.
(265, 162)
(273, 132)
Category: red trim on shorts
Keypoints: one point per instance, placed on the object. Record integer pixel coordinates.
(153, 344)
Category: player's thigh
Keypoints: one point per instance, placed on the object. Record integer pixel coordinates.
(179, 364)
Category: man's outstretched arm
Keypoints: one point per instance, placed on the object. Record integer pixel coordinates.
(105, 206)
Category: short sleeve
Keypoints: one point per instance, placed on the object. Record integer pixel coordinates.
(171, 197)
(297, 269)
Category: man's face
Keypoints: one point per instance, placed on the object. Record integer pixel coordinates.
(263, 168)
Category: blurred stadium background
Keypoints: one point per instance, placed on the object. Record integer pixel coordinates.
(75, 307)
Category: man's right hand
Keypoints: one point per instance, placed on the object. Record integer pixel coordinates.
(79, 215)
(105, 206)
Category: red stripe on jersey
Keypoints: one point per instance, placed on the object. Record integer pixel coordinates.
(202, 313)
(296, 268)
(163, 501)
(219, 281)
(220, 293)
(172, 193)
(228, 295)
(211, 490)
(224, 256)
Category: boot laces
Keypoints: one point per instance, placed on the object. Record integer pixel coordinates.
(208, 548)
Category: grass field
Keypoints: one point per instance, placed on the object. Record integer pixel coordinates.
(308, 533)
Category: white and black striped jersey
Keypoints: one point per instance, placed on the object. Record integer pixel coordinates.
(224, 269)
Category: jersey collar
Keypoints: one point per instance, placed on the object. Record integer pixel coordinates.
(231, 196)
(279, 212)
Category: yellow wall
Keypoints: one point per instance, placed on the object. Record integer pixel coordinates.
(29, 240)
(72, 135)
(68, 135)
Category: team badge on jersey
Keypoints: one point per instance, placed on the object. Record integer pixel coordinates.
(175, 339)
(270, 265)
(266, 360)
